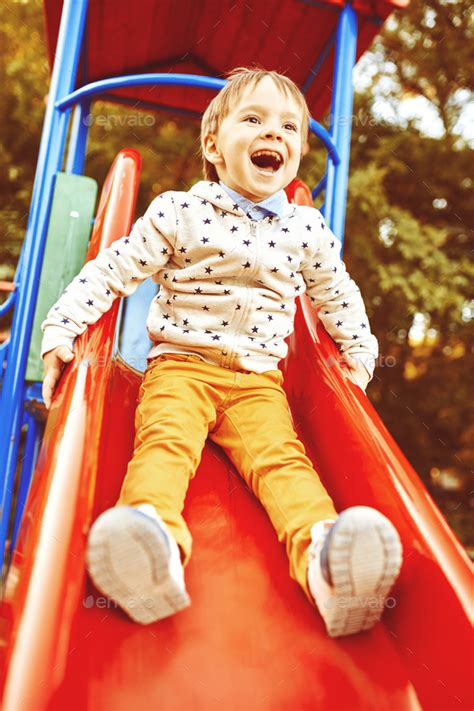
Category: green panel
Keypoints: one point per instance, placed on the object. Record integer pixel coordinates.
(69, 229)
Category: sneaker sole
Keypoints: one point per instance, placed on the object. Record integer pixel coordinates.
(365, 557)
(128, 560)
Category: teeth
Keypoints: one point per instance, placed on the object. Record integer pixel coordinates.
(267, 153)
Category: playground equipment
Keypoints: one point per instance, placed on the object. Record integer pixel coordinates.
(250, 640)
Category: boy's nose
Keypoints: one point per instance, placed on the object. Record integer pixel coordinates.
(270, 132)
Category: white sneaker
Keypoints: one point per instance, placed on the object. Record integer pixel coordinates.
(352, 565)
(134, 560)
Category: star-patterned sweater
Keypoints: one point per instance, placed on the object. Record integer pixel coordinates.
(228, 283)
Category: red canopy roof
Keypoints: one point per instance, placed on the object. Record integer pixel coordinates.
(211, 37)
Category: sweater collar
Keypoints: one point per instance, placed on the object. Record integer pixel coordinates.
(220, 197)
(273, 205)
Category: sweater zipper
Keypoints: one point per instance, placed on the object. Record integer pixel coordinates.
(253, 233)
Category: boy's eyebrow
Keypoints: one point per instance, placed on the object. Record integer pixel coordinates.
(256, 107)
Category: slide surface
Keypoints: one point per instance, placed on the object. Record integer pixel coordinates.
(250, 639)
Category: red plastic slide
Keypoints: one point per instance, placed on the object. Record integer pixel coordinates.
(250, 639)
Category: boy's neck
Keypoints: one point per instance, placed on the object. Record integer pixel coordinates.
(236, 192)
(274, 205)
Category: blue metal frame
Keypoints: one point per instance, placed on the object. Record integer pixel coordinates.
(62, 98)
(85, 94)
(49, 163)
(341, 120)
(76, 154)
(8, 304)
(31, 448)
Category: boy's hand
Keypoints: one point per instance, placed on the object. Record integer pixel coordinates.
(53, 366)
(356, 373)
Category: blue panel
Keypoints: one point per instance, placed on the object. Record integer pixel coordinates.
(134, 342)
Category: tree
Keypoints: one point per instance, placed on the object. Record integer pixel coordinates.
(408, 242)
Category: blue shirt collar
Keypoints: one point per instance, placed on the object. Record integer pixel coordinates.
(273, 205)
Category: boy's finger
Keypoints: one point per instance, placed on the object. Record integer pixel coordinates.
(47, 394)
(66, 355)
(50, 382)
(53, 374)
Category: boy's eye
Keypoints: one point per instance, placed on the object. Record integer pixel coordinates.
(291, 126)
(252, 119)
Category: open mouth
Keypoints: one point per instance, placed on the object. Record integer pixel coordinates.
(268, 161)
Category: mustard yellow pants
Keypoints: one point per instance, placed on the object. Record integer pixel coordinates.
(182, 401)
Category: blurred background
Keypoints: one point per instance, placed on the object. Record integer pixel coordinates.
(409, 229)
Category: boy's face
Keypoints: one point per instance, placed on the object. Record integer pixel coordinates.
(257, 149)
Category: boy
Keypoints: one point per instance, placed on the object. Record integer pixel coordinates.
(230, 255)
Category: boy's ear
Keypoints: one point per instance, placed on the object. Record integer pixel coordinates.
(211, 150)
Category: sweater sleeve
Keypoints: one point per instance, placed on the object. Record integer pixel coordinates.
(116, 271)
(339, 301)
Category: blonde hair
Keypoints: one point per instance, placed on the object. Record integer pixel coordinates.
(237, 81)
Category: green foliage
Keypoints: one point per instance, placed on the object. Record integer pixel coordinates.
(429, 47)
(408, 244)
(168, 146)
(23, 82)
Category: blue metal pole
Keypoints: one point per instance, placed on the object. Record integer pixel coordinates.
(341, 120)
(49, 162)
(326, 138)
(84, 95)
(10, 302)
(99, 88)
(159, 79)
(32, 443)
(319, 187)
(76, 154)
